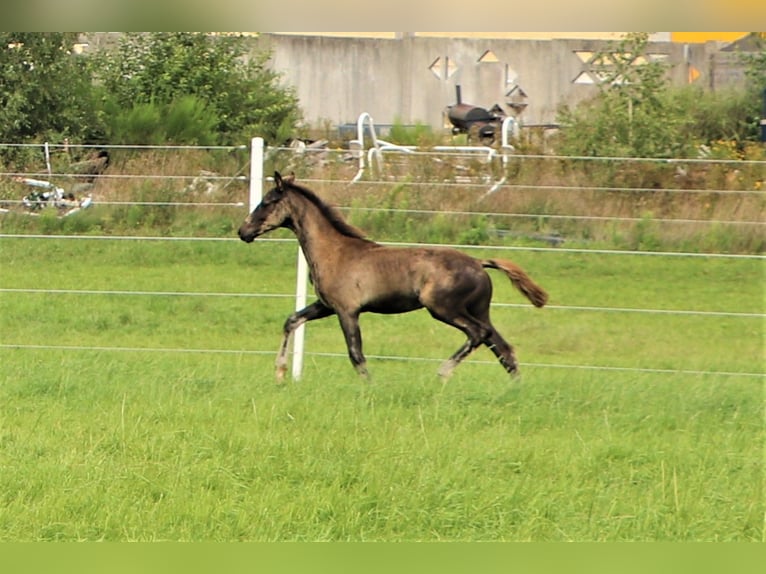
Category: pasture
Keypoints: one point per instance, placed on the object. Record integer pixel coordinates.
(129, 415)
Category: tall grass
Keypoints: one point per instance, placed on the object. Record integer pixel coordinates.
(157, 448)
(628, 204)
(168, 445)
(156, 417)
(609, 204)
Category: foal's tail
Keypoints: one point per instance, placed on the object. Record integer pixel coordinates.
(520, 280)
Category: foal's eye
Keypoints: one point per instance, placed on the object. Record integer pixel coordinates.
(270, 198)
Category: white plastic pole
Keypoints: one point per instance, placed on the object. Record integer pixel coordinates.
(256, 172)
(48, 159)
(300, 302)
(256, 194)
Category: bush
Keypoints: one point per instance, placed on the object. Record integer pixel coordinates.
(638, 114)
(189, 121)
(418, 134)
(45, 91)
(178, 71)
(186, 121)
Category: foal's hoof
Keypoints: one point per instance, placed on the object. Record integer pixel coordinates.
(513, 369)
(280, 373)
(446, 368)
(364, 374)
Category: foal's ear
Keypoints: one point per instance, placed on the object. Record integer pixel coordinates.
(281, 181)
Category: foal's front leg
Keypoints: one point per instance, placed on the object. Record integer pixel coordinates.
(316, 310)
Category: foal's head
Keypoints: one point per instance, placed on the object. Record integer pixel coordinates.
(271, 213)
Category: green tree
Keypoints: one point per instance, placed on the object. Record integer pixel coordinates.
(755, 72)
(45, 89)
(755, 62)
(215, 76)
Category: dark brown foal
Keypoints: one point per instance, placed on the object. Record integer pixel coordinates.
(352, 275)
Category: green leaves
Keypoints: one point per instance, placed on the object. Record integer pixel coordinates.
(637, 113)
(213, 82)
(165, 87)
(45, 90)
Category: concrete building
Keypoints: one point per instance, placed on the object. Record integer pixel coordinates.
(411, 77)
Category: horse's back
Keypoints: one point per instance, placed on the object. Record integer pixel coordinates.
(418, 264)
(435, 273)
(388, 279)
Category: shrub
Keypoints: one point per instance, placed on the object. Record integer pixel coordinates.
(418, 134)
(45, 90)
(241, 96)
(638, 114)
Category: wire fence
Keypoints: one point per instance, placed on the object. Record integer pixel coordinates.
(543, 188)
(551, 216)
(560, 250)
(546, 188)
(129, 293)
(256, 352)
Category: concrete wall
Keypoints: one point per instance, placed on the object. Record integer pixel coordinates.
(411, 79)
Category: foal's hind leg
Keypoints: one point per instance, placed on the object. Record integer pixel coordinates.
(491, 338)
(478, 331)
(446, 368)
(316, 310)
(503, 351)
(473, 329)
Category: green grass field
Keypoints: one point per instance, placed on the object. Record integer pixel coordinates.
(119, 433)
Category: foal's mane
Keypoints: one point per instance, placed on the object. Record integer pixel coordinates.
(330, 213)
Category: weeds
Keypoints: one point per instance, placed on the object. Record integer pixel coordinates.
(616, 204)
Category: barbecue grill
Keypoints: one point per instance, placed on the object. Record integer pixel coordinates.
(475, 121)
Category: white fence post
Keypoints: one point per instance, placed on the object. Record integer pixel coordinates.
(300, 302)
(256, 172)
(47, 151)
(256, 194)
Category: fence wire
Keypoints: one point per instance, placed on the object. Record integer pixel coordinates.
(468, 185)
(106, 292)
(568, 250)
(200, 351)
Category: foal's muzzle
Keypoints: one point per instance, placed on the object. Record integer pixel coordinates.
(251, 228)
(246, 236)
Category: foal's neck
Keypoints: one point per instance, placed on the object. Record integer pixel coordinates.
(317, 233)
